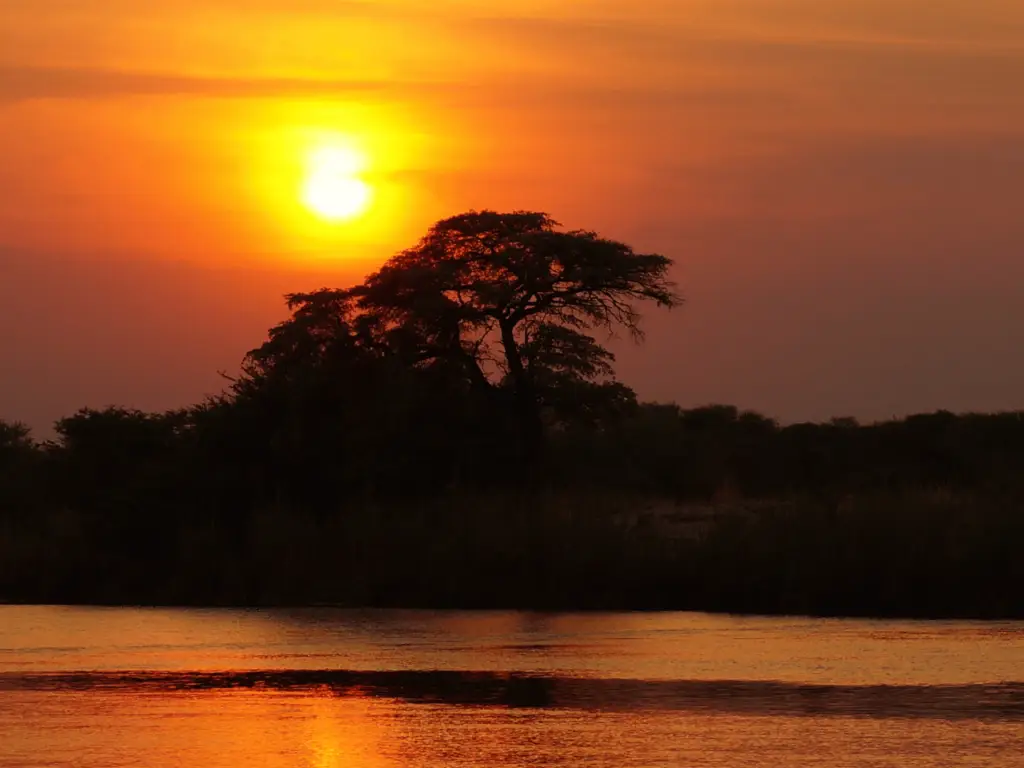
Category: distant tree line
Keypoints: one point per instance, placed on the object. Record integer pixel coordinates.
(221, 459)
(455, 413)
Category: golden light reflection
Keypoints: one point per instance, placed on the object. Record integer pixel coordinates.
(343, 732)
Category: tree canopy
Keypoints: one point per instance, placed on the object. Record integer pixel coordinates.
(501, 307)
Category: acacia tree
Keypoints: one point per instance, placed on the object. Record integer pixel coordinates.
(510, 299)
(488, 317)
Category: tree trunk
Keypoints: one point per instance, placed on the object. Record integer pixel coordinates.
(531, 428)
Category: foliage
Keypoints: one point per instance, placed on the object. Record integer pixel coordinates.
(19, 460)
(458, 355)
(505, 301)
(455, 417)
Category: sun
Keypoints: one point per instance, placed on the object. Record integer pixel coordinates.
(333, 189)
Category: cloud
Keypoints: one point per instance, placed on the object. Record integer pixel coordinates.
(963, 190)
(19, 84)
(28, 83)
(684, 36)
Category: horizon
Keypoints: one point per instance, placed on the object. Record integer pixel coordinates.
(839, 186)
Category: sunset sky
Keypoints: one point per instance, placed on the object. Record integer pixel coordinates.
(841, 182)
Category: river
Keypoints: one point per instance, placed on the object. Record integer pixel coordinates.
(90, 687)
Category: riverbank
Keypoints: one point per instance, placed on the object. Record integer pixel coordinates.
(921, 554)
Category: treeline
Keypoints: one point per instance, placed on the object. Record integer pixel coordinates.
(705, 452)
(450, 433)
(921, 516)
(222, 460)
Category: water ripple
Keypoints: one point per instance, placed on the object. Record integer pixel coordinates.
(1002, 701)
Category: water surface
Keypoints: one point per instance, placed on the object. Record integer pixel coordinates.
(114, 687)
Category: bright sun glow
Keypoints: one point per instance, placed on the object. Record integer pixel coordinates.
(333, 189)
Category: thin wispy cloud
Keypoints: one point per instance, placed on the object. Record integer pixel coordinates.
(20, 84)
(26, 83)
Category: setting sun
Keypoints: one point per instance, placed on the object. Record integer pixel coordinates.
(332, 188)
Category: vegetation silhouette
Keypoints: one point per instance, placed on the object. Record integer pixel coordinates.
(485, 321)
(450, 433)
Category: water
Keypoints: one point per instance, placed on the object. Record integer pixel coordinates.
(123, 687)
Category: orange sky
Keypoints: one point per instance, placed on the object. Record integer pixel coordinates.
(841, 182)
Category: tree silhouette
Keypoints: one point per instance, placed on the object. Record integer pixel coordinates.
(19, 459)
(15, 441)
(508, 299)
(105, 456)
(492, 312)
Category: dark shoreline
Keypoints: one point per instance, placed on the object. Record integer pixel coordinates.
(528, 609)
(709, 510)
(887, 556)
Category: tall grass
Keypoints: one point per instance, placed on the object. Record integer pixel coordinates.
(919, 553)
